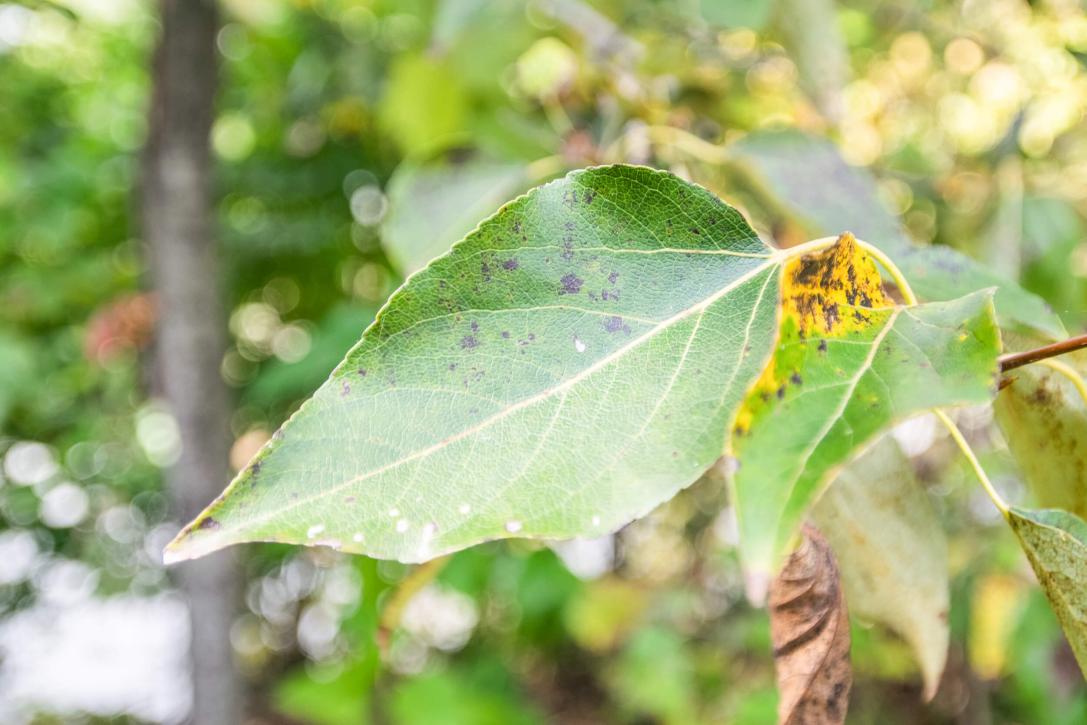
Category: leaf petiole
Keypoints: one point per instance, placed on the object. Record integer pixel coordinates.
(1015, 360)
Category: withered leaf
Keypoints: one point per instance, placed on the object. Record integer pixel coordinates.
(809, 629)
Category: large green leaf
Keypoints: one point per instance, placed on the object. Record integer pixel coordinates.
(843, 371)
(1056, 544)
(809, 180)
(433, 205)
(1044, 420)
(570, 365)
(891, 551)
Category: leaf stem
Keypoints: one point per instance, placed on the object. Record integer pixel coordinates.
(1019, 359)
(967, 451)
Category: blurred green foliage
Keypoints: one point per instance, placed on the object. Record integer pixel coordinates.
(969, 114)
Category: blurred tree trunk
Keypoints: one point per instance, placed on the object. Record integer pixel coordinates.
(178, 224)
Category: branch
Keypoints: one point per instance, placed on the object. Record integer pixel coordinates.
(1015, 360)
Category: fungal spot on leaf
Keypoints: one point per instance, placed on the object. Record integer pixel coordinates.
(616, 324)
(510, 264)
(571, 284)
(468, 342)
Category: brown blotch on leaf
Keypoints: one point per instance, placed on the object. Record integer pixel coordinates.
(809, 630)
(208, 523)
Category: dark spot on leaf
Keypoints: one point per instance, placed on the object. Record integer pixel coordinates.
(571, 284)
(349, 499)
(822, 346)
(505, 334)
(616, 324)
(795, 379)
(345, 390)
(613, 276)
(510, 264)
(362, 372)
(468, 342)
(452, 366)
(475, 326)
(781, 392)
(208, 523)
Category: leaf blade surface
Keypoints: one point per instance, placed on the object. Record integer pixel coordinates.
(570, 365)
(1055, 542)
(844, 368)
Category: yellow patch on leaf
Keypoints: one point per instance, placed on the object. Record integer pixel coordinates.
(826, 294)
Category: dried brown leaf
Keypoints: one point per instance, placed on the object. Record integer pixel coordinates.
(809, 628)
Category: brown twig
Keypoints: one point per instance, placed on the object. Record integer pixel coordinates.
(1015, 360)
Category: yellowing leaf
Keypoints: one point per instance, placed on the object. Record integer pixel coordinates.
(842, 371)
(891, 551)
(1044, 420)
(809, 629)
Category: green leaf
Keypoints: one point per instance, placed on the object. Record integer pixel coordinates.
(570, 365)
(433, 205)
(809, 180)
(842, 372)
(424, 107)
(891, 551)
(1056, 543)
(753, 14)
(1044, 421)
